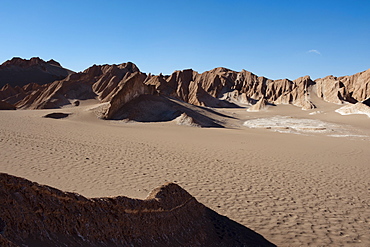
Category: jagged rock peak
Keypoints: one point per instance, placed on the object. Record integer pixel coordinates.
(171, 195)
(53, 62)
(221, 70)
(34, 61)
(129, 66)
(259, 106)
(19, 71)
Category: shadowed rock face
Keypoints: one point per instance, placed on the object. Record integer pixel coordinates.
(6, 106)
(157, 108)
(260, 105)
(128, 90)
(19, 72)
(367, 102)
(38, 215)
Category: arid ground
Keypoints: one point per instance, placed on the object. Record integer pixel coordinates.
(299, 178)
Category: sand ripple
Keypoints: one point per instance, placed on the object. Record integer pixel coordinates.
(295, 190)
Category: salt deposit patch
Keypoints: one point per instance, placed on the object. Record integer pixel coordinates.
(286, 124)
(359, 136)
(315, 112)
(358, 108)
(291, 125)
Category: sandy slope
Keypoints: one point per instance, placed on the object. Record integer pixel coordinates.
(294, 189)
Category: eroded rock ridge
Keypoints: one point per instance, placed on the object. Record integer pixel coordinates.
(120, 84)
(36, 215)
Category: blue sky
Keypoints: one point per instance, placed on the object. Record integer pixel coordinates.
(276, 39)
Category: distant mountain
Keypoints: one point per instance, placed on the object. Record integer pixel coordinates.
(178, 93)
(37, 215)
(19, 72)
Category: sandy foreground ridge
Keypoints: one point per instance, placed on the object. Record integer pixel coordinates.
(298, 178)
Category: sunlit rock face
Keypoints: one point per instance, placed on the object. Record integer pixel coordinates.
(217, 88)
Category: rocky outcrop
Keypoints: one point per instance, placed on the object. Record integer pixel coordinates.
(222, 87)
(127, 90)
(184, 119)
(259, 106)
(159, 108)
(354, 88)
(357, 85)
(109, 78)
(291, 92)
(331, 89)
(101, 82)
(19, 72)
(217, 88)
(36, 215)
(6, 106)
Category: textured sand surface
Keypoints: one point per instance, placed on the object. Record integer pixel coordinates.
(295, 189)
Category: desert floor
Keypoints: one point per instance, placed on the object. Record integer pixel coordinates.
(295, 186)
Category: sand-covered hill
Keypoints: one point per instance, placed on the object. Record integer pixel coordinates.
(37, 215)
(119, 85)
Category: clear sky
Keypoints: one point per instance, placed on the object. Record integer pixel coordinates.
(276, 39)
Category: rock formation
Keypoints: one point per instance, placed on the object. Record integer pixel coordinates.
(101, 82)
(158, 108)
(291, 92)
(259, 106)
(36, 215)
(19, 72)
(184, 119)
(352, 88)
(6, 106)
(128, 90)
(120, 84)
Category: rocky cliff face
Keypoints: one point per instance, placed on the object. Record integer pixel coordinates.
(220, 87)
(354, 88)
(127, 90)
(207, 89)
(100, 82)
(36, 215)
(19, 72)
